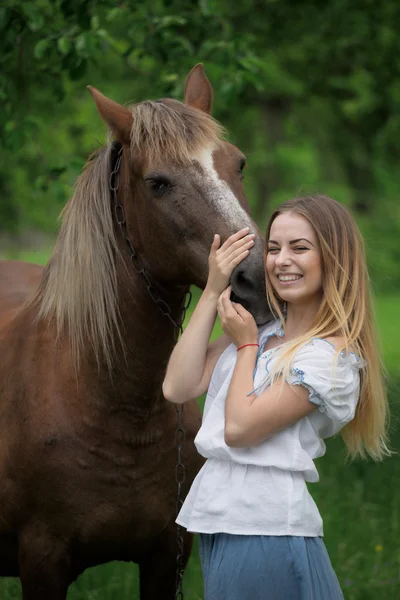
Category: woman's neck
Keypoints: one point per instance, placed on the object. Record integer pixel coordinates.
(300, 319)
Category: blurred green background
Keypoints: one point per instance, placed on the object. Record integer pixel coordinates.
(310, 91)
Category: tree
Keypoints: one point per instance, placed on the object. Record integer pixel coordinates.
(334, 66)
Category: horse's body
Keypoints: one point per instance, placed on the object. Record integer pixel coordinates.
(17, 279)
(87, 442)
(86, 480)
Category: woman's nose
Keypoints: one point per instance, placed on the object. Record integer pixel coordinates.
(283, 258)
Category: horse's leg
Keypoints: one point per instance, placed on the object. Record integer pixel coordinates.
(44, 565)
(158, 570)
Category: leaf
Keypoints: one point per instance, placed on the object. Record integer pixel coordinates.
(185, 43)
(34, 18)
(204, 7)
(9, 126)
(169, 21)
(170, 77)
(4, 17)
(64, 45)
(80, 43)
(41, 48)
(95, 22)
(113, 14)
(34, 121)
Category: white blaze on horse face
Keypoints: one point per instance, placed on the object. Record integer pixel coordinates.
(221, 195)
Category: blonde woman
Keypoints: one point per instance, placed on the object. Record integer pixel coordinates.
(274, 394)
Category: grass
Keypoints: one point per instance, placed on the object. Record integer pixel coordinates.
(359, 502)
(389, 327)
(40, 256)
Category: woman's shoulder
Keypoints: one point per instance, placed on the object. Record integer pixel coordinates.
(337, 341)
(319, 348)
(269, 329)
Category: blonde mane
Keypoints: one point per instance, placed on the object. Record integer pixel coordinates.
(169, 131)
(79, 288)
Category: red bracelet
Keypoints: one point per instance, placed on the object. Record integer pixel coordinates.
(244, 346)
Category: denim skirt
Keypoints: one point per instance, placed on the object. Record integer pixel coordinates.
(259, 567)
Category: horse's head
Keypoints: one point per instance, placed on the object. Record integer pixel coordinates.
(181, 184)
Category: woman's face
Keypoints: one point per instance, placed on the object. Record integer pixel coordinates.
(293, 259)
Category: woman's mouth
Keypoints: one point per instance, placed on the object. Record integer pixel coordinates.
(287, 279)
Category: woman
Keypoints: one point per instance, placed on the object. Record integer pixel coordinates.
(274, 394)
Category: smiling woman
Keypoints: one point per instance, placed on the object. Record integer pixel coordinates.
(317, 238)
(275, 393)
(294, 260)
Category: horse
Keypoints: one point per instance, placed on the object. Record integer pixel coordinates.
(87, 440)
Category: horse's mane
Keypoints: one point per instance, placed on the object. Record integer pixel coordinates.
(79, 288)
(169, 130)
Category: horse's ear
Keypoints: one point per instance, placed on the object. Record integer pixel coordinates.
(117, 117)
(198, 90)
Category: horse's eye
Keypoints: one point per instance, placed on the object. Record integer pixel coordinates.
(243, 165)
(158, 185)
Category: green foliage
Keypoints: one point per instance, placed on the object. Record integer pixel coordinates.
(43, 46)
(310, 91)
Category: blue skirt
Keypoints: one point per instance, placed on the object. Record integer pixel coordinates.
(257, 567)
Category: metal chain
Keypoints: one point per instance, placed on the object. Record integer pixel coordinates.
(138, 265)
(180, 476)
(137, 261)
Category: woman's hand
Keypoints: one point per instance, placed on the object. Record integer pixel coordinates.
(236, 321)
(222, 261)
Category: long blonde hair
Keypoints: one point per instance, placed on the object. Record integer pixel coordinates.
(345, 310)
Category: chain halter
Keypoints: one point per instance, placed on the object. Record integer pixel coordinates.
(138, 265)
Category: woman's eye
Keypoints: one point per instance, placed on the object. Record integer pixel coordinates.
(271, 250)
(301, 248)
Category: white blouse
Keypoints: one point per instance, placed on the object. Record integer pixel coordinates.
(261, 490)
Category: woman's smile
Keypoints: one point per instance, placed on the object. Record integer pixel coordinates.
(294, 260)
(288, 278)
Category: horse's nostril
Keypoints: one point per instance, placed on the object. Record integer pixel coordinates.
(241, 278)
(242, 283)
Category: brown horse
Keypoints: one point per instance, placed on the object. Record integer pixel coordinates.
(87, 442)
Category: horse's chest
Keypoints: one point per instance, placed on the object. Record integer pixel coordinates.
(135, 489)
(124, 455)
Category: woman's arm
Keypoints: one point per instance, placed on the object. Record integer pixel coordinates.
(251, 419)
(193, 359)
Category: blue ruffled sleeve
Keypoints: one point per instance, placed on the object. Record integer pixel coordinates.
(333, 381)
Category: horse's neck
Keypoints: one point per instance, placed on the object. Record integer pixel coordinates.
(148, 336)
